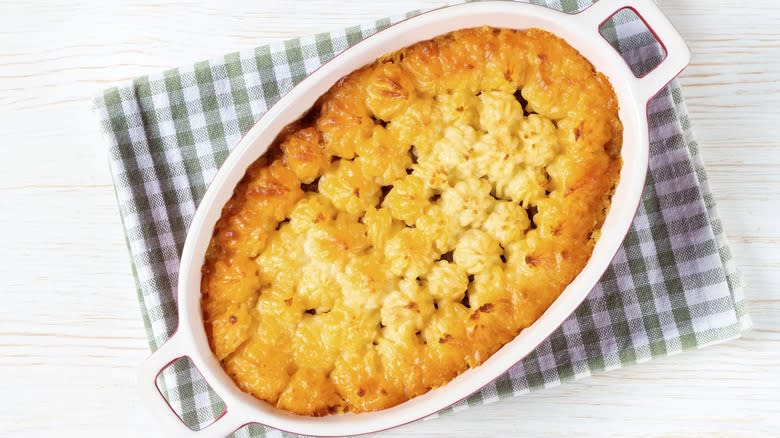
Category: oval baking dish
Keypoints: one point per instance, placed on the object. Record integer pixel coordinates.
(581, 31)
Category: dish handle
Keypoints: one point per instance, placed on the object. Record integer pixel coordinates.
(173, 349)
(678, 56)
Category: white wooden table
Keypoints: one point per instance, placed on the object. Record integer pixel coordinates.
(70, 328)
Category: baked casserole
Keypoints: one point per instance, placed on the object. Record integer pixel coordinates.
(428, 208)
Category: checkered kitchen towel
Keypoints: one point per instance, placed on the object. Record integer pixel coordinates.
(673, 285)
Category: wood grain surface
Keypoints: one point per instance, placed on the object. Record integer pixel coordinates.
(71, 334)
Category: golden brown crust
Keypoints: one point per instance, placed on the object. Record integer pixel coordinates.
(432, 205)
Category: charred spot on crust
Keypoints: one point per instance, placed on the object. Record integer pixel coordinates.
(384, 192)
(465, 300)
(523, 102)
(281, 224)
(377, 121)
(413, 155)
(533, 261)
(312, 186)
(485, 308)
(532, 211)
(578, 130)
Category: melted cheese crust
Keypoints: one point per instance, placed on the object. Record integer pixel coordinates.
(431, 206)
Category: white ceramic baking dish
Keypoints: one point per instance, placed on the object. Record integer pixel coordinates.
(581, 31)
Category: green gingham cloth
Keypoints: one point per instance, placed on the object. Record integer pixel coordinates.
(673, 285)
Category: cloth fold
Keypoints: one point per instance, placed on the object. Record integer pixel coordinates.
(673, 285)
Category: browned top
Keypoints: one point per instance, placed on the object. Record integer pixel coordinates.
(431, 206)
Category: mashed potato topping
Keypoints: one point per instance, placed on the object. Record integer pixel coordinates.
(428, 208)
